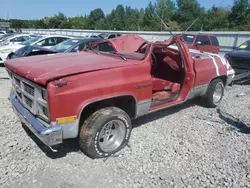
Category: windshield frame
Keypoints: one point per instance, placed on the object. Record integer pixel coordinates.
(117, 54)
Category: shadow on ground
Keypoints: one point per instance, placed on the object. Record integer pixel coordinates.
(71, 145)
(68, 146)
(235, 122)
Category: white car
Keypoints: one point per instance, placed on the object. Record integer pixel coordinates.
(46, 41)
(2, 33)
(15, 39)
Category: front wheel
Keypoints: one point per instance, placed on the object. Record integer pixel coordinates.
(105, 132)
(214, 94)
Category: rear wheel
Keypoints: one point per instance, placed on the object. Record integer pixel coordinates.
(214, 94)
(105, 132)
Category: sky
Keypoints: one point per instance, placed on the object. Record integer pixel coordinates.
(37, 9)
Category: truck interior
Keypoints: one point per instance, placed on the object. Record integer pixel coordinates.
(168, 73)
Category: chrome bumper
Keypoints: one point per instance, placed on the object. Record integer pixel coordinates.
(49, 136)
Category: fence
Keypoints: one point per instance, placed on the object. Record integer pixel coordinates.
(227, 40)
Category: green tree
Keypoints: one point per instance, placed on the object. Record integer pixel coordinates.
(151, 21)
(95, 16)
(79, 22)
(131, 19)
(216, 19)
(166, 9)
(187, 12)
(240, 15)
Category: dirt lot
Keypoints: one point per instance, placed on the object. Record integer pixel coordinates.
(185, 146)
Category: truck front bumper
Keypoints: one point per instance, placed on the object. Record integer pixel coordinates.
(49, 136)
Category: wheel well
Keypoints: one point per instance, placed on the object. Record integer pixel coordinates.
(223, 78)
(126, 103)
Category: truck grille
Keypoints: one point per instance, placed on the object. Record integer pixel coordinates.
(30, 95)
(29, 89)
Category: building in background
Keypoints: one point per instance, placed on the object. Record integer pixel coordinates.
(4, 26)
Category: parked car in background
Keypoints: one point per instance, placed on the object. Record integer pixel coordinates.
(239, 58)
(46, 41)
(16, 39)
(107, 35)
(6, 35)
(2, 33)
(202, 42)
(70, 45)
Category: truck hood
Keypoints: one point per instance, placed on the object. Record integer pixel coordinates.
(44, 68)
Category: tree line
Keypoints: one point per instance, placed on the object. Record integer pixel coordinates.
(159, 16)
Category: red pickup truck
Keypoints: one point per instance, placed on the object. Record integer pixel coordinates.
(203, 42)
(94, 95)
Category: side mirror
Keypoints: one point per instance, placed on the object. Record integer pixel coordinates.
(39, 44)
(198, 43)
(234, 47)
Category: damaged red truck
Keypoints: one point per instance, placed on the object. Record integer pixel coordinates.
(94, 95)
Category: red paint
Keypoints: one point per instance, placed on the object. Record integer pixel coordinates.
(204, 48)
(126, 43)
(91, 77)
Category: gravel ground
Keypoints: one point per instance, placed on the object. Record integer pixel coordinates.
(185, 146)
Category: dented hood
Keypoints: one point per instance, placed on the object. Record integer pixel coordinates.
(127, 43)
(44, 68)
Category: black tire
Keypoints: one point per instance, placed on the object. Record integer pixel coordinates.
(208, 99)
(92, 127)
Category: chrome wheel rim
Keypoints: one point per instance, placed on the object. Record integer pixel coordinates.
(218, 92)
(112, 135)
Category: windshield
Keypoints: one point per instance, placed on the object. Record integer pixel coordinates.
(30, 41)
(65, 45)
(244, 46)
(188, 38)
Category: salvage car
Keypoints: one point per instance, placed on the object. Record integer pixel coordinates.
(46, 41)
(239, 58)
(203, 42)
(15, 39)
(93, 96)
(70, 45)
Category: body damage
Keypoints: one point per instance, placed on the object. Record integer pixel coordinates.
(126, 43)
(74, 81)
(117, 77)
(85, 88)
(42, 69)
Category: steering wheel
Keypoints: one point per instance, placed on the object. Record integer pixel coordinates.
(143, 44)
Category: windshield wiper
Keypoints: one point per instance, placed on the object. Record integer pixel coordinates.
(124, 58)
(94, 51)
(90, 48)
(121, 56)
